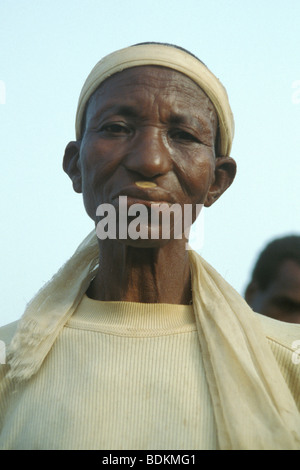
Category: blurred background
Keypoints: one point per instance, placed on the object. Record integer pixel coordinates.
(47, 48)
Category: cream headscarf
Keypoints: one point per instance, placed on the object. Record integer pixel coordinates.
(252, 404)
(165, 56)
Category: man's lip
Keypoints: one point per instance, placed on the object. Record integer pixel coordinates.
(156, 195)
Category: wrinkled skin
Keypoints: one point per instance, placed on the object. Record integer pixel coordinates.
(147, 124)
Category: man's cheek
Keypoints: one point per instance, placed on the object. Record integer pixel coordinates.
(90, 200)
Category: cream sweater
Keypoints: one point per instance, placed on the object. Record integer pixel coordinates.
(120, 376)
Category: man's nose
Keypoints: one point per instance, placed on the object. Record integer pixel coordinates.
(149, 155)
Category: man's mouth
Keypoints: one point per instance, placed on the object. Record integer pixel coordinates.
(149, 193)
(145, 184)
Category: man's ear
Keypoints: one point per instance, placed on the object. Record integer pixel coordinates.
(71, 164)
(225, 171)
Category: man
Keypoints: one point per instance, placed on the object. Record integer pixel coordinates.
(274, 289)
(137, 343)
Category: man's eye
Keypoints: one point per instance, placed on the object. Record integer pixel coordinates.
(115, 128)
(183, 136)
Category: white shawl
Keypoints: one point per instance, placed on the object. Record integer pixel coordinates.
(253, 406)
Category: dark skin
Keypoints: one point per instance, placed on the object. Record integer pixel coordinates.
(281, 299)
(147, 124)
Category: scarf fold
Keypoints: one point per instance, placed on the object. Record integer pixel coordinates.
(253, 406)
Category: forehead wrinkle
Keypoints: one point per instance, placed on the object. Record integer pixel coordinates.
(127, 108)
(189, 89)
(168, 84)
(204, 112)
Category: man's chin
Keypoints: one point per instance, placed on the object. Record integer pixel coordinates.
(144, 243)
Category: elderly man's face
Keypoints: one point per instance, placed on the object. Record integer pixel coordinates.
(148, 124)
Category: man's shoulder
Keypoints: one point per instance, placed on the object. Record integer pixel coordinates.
(8, 331)
(284, 340)
(283, 333)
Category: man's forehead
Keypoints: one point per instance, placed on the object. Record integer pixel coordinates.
(123, 90)
(151, 75)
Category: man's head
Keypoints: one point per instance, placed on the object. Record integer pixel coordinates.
(151, 113)
(274, 289)
(169, 56)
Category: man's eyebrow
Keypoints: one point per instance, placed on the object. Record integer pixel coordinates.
(123, 110)
(175, 118)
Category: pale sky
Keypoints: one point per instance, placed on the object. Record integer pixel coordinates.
(48, 47)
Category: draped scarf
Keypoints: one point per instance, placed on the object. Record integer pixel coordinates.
(252, 404)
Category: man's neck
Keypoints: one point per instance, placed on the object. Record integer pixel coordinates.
(148, 275)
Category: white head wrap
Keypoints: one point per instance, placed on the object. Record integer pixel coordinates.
(164, 56)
